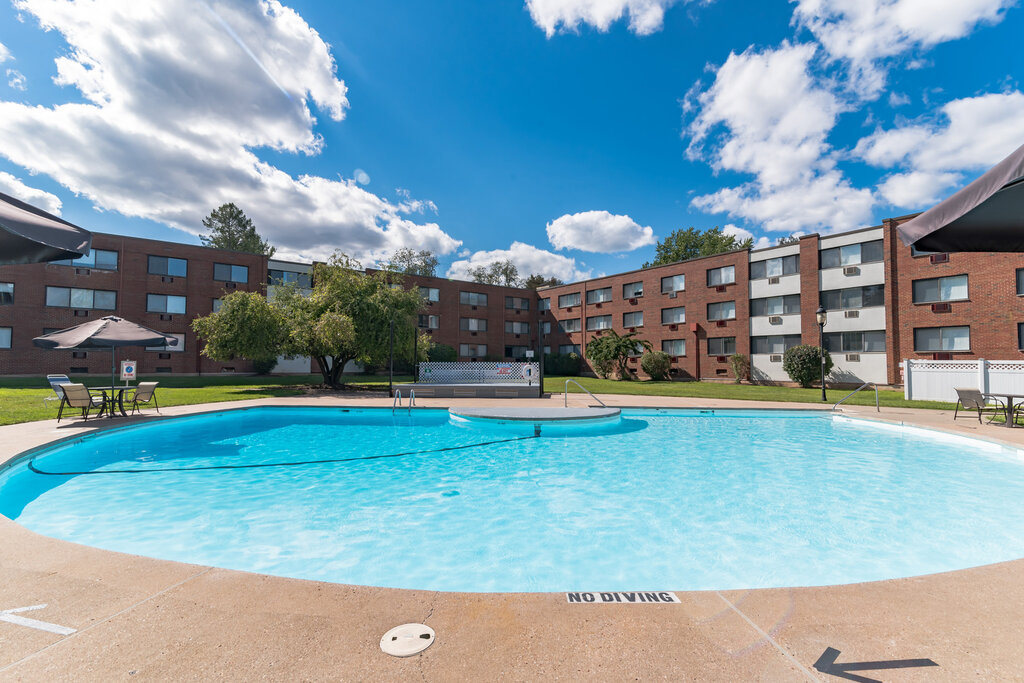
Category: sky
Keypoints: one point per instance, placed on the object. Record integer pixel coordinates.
(565, 135)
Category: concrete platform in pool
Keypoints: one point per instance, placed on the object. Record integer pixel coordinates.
(536, 414)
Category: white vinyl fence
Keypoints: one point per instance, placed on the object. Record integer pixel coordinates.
(937, 380)
(479, 373)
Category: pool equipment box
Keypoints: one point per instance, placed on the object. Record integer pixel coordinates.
(634, 598)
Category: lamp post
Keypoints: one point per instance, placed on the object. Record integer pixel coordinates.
(822, 317)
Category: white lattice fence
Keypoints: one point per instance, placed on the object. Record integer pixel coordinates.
(479, 373)
(937, 380)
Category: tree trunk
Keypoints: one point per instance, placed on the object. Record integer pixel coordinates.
(321, 363)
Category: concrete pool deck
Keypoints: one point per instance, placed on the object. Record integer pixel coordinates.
(143, 619)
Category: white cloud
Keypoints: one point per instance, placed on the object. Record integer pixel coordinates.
(916, 189)
(865, 32)
(598, 231)
(528, 259)
(361, 176)
(741, 234)
(16, 79)
(5, 54)
(171, 120)
(645, 16)
(767, 115)
(42, 199)
(898, 99)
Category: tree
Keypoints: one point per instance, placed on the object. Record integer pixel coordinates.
(246, 326)
(740, 365)
(681, 245)
(656, 364)
(803, 364)
(536, 281)
(412, 262)
(612, 350)
(231, 229)
(788, 239)
(498, 273)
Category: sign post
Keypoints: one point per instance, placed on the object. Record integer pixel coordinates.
(128, 369)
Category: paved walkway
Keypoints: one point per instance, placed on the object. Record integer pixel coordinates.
(142, 619)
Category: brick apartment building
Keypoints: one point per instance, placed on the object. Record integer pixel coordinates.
(885, 303)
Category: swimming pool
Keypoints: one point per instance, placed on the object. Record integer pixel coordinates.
(657, 500)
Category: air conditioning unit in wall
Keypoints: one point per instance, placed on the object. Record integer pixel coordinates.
(851, 270)
(773, 280)
(672, 295)
(775, 358)
(720, 323)
(775, 320)
(941, 308)
(673, 327)
(853, 357)
(851, 314)
(720, 288)
(939, 258)
(721, 359)
(230, 285)
(82, 271)
(632, 301)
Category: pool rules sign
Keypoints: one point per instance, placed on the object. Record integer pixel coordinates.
(127, 370)
(629, 598)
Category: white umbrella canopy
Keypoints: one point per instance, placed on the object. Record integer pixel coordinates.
(31, 235)
(108, 332)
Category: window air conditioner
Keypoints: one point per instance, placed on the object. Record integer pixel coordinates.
(773, 280)
(672, 295)
(851, 270)
(851, 314)
(939, 258)
(597, 305)
(941, 308)
(632, 301)
(775, 358)
(853, 357)
(942, 356)
(82, 271)
(775, 320)
(720, 288)
(673, 327)
(721, 359)
(230, 285)
(631, 329)
(720, 323)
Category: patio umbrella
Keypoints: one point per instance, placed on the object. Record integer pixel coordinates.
(987, 215)
(106, 332)
(30, 235)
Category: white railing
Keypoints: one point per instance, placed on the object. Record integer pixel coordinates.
(937, 380)
(479, 373)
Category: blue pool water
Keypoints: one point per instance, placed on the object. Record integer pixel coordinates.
(660, 500)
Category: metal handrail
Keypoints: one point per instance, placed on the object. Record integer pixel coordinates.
(866, 384)
(397, 403)
(565, 393)
(412, 399)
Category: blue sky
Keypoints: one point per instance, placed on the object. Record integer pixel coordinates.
(567, 135)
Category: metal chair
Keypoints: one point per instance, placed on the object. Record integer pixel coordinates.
(56, 382)
(78, 396)
(973, 399)
(144, 394)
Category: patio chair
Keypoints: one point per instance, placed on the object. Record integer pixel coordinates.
(145, 394)
(973, 399)
(56, 382)
(78, 396)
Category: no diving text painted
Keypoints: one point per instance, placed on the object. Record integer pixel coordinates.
(635, 598)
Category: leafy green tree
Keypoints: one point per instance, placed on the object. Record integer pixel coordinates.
(411, 262)
(246, 326)
(656, 364)
(611, 351)
(740, 365)
(803, 364)
(442, 353)
(788, 239)
(681, 245)
(231, 229)
(502, 273)
(536, 281)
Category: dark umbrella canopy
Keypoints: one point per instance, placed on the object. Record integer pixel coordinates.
(987, 215)
(109, 332)
(30, 235)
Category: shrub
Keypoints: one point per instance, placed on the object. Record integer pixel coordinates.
(567, 364)
(264, 366)
(612, 350)
(656, 364)
(740, 365)
(803, 364)
(441, 353)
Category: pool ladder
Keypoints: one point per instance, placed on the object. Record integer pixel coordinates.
(565, 393)
(397, 403)
(862, 386)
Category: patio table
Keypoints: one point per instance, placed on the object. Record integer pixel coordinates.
(1008, 407)
(109, 396)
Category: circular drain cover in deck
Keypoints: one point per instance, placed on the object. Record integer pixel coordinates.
(407, 640)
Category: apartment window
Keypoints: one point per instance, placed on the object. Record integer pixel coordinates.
(161, 303)
(599, 322)
(516, 327)
(217, 303)
(100, 259)
(570, 325)
(775, 305)
(569, 348)
(914, 251)
(721, 346)
(673, 283)
(517, 303)
(567, 300)
(546, 350)
(599, 296)
(6, 293)
(473, 350)
(429, 322)
(853, 297)
(430, 293)
(516, 351)
(73, 297)
(776, 343)
(5, 337)
(855, 342)
(1020, 282)
(726, 275)
(673, 316)
(473, 324)
(674, 347)
(225, 272)
(775, 267)
(172, 267)
(633, 290)
(953, 288)
(1020, 336)
(634, 319)
(289, 277)
(473, 298)
(722, 310)
(177, 348)
(942, 338)
(852, 254)
(544, 305)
